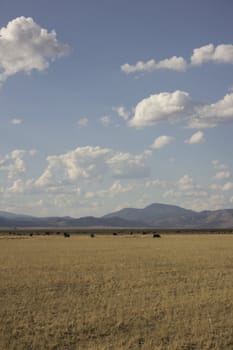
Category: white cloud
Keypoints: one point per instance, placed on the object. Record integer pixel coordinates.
(215, 187)
(16, 121)
(155, 182)
(218, 165)
(126, 165)
(198, 137)
(172, 63)
(32, 152)
(160, 107)
(209, 53)
(185, 183)
(214, 202)
(162, 141)
(171, 194)
(177, 105)
(13, 163)
(25, 46)
(220, 54)
(122, 112)
(207, 116)
(221, 175)
(20, 186)
(187, 193)
(115, 189)
(92, 164)
(105, 120)
(83, 122)
(228, 186)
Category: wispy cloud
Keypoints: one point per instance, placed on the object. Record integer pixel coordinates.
(82, 122)
(105, 120)
(16, 121)
(122, 112)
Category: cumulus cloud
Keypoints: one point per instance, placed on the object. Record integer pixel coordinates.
(13, 163)
(228, 186)
(211, 115)
(221, 175)
(92, 163)
(115, 189)
(82, 122)
(198, 196)
(213, 202)
(122, 112)
(126, 165)
(162, 141)
(156, 183)
(209, 53)
(172, 63)
(178, 105)
(20, 186)
(25, 46)
(185, 183)
(16, 121)
(186, 189)
(164, 106)
(198, 137)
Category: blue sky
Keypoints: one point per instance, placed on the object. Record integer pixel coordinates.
(110, 104)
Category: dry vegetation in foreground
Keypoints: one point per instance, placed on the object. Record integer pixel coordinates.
(124, 292)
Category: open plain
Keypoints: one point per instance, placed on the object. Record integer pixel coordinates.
(116, 292)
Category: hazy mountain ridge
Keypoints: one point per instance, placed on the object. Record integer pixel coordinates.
(154, 215)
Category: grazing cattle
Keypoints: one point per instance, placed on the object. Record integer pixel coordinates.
(66, 235)
(131, 233)
(47, 233)
(156, 235)
(92, 235)
(31, 234)
(144, 232)
(114, 233)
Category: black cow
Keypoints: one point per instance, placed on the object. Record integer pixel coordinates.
(156, 235)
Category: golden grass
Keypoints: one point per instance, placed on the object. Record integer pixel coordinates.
(124, 292)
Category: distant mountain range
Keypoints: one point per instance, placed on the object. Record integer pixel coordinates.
(154, 215)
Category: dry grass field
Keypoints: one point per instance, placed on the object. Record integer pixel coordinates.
(123, 292)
